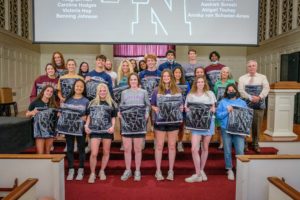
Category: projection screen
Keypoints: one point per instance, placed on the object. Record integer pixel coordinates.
(212, 22)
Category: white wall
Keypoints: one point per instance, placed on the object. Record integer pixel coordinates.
(291, 147)
(19, 66)
(268, 54)
(276, 194)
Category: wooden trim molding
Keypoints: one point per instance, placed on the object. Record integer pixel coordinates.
(285, 85)
(52, 157)
(10, 189)
(284, 187)
(247, 158)
(22, 189)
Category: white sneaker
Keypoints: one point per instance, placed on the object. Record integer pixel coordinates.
(87, 149)
(80, 174)
(170, 176)
(220, 146)
(122, 147)
(194, 178)
(230, 175)
(65, 149)
(180, 147)
(126, 175)
(137, 176)
(102, 175)
(70, 176)
(203, 175)
(92, 178)
(159, 176)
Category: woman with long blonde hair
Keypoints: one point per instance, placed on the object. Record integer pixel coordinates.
(125, 68)
(167, 86)
(102, 98)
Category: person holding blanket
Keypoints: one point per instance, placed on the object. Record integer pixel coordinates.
(43, 138)
(65, 84)
(254, 89)
(149, 80)
(185, 88)
(200, 93)
(167, 88)
(99, 75)
(231, 98)
(219, 88)
(70, 123)
(106, 130)
(134, 96)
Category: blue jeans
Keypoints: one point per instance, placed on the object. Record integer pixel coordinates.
(238, 142)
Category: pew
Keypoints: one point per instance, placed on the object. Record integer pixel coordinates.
(25, 191)
(48, 169)
(253, 171)
(280, 190)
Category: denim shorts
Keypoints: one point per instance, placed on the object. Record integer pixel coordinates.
(211, 131)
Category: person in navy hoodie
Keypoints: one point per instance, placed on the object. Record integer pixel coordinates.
(99, 73)
(170, 63)
(231, 98)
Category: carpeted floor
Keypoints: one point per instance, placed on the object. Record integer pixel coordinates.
(217, 187)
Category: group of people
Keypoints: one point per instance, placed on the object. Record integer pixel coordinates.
(77, 98)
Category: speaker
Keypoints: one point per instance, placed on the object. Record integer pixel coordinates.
(284, 67)
(290, 71)
(290, 67)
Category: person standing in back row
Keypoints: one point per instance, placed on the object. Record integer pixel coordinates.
(58, 62)
(190, 66)
(213, 70)
(170, 63)
(99, 74)
(254, 88)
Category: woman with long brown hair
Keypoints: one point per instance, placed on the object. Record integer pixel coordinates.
(200, 93)
(44, 100)
(47, 79)
(167, 86)
(132, 97)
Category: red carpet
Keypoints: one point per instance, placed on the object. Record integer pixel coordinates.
(217, 187)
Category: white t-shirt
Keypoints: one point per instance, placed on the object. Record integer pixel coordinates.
(207, 98)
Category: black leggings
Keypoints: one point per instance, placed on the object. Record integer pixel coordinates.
(70, 139)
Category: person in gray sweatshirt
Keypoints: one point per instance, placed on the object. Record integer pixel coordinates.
(134, 112)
